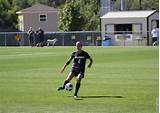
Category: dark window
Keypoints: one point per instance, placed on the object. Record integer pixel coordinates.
(42, 18)
(123, 28)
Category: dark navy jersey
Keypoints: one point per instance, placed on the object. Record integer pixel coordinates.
(80, 59)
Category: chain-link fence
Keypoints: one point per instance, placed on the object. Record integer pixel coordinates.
(88, 38)
(62, 38)
(125, 39)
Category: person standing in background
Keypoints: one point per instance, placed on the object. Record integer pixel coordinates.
(40, 37)
(31, 36)
(155, 36)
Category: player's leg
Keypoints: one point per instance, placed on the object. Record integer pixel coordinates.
(69, 78)
(153, 40)
(32, 43)
(78, 84)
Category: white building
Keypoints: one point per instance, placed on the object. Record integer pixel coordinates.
(129, 26)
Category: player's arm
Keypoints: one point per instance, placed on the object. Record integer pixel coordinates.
(90, 63)
(66, 64)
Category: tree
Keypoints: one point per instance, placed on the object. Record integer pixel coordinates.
(137, 5)
(70, 17)
(7, 15)
(90, 12)
(150, 4)
(79, 15)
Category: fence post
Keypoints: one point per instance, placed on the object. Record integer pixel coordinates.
(62, 39)
(5, 39)
(92, 39)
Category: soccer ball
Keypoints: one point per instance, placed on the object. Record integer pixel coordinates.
(69, 86)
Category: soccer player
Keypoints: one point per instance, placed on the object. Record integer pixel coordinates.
(78, 67)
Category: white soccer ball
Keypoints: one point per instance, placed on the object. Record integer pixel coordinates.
(69, 86)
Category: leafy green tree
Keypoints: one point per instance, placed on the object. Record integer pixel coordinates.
(70, 17)
(138, 4)
(7, 18)
(150, 4)
(65, 18)
(79, 15)
(90, 12)
(143, 4)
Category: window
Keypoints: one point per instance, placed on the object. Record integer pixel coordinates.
(123, 28)
(137, 28)
(20, 23)
(42, 17)
(109, 28)
(155, 23)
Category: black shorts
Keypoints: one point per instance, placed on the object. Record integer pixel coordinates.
(154, 39)
(76, 72)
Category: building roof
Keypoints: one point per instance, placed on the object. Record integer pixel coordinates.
(38, 8)
(128, 14)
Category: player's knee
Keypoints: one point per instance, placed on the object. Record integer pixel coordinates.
(70, 76)
(79, 79)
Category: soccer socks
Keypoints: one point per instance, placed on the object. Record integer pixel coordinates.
(77, 88)
(65, 82)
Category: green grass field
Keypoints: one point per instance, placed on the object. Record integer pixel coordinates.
(122, 80)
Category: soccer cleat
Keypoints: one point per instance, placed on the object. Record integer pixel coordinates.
(60, 88)
(75, 96)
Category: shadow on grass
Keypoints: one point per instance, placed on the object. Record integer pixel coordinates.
(101, 96)
(96, 96)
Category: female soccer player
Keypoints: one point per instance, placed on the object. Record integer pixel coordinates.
(78, 67)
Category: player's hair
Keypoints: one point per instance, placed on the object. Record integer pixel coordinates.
(79, 43)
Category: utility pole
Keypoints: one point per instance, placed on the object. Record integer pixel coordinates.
(122, 5)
